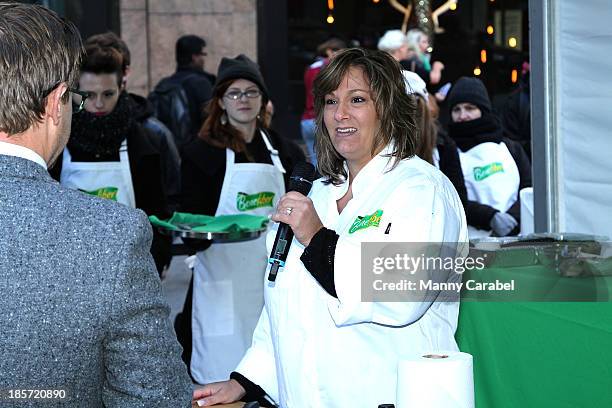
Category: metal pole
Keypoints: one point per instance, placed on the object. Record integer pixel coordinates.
(544, 139)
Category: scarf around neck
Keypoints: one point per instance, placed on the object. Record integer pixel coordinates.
(101, 135)
(474, 132)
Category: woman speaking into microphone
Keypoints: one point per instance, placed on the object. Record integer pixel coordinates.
(317, 343)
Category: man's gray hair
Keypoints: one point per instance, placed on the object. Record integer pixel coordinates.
(38, 52)
(392, 40)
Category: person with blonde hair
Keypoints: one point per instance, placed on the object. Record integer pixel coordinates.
(418, 42)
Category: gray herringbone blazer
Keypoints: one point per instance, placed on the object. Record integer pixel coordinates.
(81, 306)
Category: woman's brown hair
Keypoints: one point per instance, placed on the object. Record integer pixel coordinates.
(103, 60)
(225, 135)
(428, 130)
(394, 107)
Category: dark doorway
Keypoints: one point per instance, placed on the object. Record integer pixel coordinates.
(91, 17)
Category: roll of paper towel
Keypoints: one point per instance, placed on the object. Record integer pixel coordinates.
(435, 380)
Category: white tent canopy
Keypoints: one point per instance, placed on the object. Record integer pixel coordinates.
(571, 88)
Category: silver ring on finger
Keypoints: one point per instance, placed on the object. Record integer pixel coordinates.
(288, 210)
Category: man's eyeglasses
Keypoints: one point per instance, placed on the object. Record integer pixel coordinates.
(80, 95)
(235, 95)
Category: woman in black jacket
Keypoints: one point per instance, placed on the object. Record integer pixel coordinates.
(495, 168)
(237, 165)
(109, 154)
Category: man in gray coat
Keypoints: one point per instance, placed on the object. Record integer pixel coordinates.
(83, 321)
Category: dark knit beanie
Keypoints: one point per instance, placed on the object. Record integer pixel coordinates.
(240, 67)
(470, 90)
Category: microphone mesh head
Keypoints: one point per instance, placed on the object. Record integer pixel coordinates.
(301, 172)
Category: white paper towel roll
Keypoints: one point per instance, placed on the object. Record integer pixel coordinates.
(435, 380)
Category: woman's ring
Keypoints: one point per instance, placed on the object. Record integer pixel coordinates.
(288, 210)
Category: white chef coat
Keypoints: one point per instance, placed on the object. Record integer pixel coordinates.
(313, 350)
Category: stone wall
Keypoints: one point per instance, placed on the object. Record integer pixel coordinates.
(151, 27)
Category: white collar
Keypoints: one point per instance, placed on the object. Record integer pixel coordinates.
(10, 149)
(369, 174)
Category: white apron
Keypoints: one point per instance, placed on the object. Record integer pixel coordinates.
(491, 177)
(228, 278)
(112, 180)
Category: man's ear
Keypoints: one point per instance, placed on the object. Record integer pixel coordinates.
(55, 105)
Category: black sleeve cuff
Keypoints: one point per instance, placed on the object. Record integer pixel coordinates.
(479, 215)
(318, 258)
(253, 391)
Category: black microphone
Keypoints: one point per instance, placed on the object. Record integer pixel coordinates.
(301, 181)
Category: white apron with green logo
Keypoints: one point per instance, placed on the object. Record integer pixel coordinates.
(111, 180)
(491, 177)
(228, 278)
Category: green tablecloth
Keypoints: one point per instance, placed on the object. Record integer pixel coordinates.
(540, 354)
(207, 223)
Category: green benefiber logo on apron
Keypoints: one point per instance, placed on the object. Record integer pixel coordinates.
(109, 193)
(481, 173)
(246, 202)
(366, 221)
